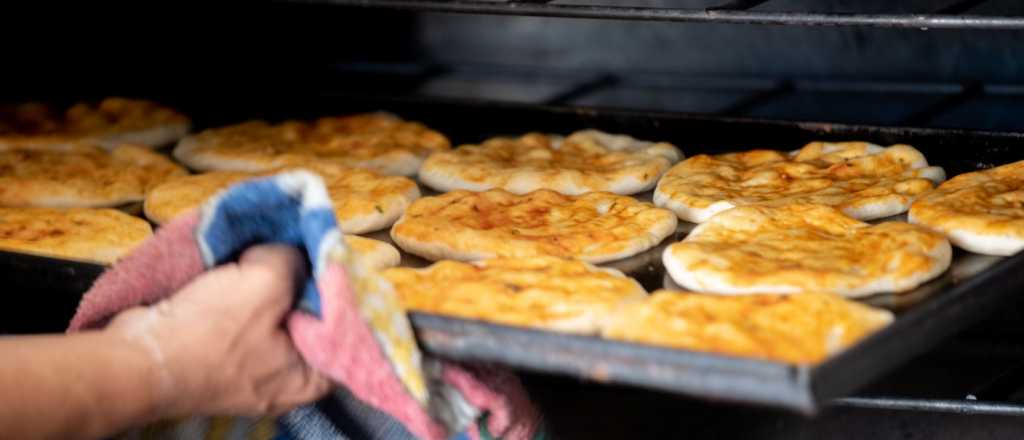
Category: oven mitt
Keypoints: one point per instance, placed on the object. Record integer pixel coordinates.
(348, 323)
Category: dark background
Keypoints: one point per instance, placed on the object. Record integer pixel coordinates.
(244, 55)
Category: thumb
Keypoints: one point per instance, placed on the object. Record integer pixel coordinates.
(284, 259)
(280, 268)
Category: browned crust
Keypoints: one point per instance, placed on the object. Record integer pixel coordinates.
(377, 141)
(804, 248)
(584, 161)
(803, 328)
(543, 292)
(97, 235)
(81, 176)
(982, 211)
(363, 200)
(864, 180)
(106, 123)
(593, 227)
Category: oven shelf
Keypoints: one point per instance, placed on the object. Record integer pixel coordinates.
(951, 15)
(961, 407)
(969, 104)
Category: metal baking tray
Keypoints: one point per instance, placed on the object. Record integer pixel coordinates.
(971, 289)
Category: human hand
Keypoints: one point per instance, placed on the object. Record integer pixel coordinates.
(220, 344)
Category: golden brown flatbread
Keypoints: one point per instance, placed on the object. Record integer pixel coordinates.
(981, 212)
(375, 254)
(804, 248)
(542, 292)
(94, 235)
(363, 200)
(594, 227)
(804, 328)
(108, 124)
(80, 176)
(863, 180)
(377, 141)
(583, 162)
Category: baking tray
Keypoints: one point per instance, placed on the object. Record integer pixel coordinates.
(971, 289)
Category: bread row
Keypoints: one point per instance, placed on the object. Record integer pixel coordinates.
(772, 223)
(79, 159)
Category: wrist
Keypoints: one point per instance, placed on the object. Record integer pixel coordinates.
(154, 378)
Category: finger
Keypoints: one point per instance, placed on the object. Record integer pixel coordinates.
(279, 268)
(302, 386)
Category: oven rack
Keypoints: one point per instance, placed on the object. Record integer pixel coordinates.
(965, 104)
(957, 14)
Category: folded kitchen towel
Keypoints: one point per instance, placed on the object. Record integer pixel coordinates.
(348, 323)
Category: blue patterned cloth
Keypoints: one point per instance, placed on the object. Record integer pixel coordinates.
(292, 208)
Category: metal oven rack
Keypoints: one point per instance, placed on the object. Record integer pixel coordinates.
(948, 15)
(968, 104)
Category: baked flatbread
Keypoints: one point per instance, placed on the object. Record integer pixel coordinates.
(594, 227)
(363, 200)
(543, 292)
(377, 141)
(981, 212)
(375, 254)
(804, 248)
(586, 161)
(93, 235)
(80, 176)
(803, 328)
(107, 124)
(863, 180)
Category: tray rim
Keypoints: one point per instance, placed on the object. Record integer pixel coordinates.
(708, 375)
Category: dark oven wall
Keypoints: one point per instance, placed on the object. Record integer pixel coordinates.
(962, 78)
(265, 58)
(218, 63)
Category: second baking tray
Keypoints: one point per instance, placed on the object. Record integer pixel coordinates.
(973, 286)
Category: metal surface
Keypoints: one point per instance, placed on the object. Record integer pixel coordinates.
(973, 287)
(975, 104)
(39, 293)
(708, 15)
(962, 407)
(592, 358)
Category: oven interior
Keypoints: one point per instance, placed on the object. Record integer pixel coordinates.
(948, 64)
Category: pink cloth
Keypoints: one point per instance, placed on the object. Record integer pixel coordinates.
(342, 346)
(339, 344)
(156, 269)
(512, 416)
